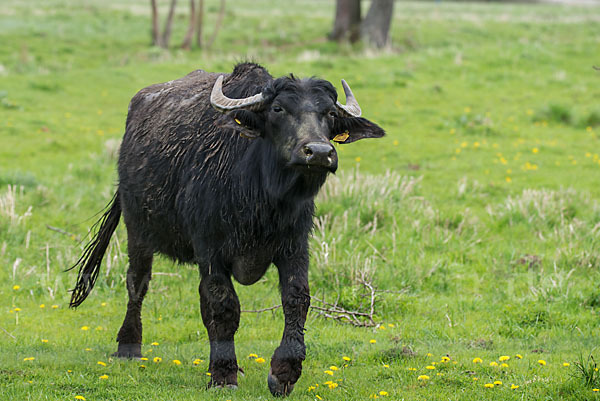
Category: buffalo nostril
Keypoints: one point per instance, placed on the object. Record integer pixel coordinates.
(330, 153)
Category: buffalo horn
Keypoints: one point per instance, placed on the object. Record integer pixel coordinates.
(351, 109)
(222, 103)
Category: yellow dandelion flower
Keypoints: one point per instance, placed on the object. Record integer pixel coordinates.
(345, 358)
(504, 365)
(504, 358)
(357, 159)
(381, 328)
(332, 385)
(69, 371)
(508, 179)
(143, 358)
(42, 306)
(430, 367)
(391, 325)
(412, 369)
(208, 374)
(386, 365)
(383, 393)
(423, 377)
(445, 359)
(85, 328)
(318, 397)
(329, 372)
(17, 309)
(519, 356)
(542, 362)
(493, 363)
(154, 344)
(177, 362)
(396, 143)
(439, 374)
(101, 363)
(16, 287)
(566, 364)
(333, 367)
(372, 341)
(44, 340)
(467, 109)
(54, 306)
(311, 388)
(475, 379)
(104, 377)
(429, 354)
(252, 356)
(197, 361)
(88, 349)
(514, 387)
(80, 397)
(477, 360)
(260, 360)
(157, 359)
(142, 366)
(497, 383)
(30, 358)
(464, 144)
(488, 385)
(457, 150)
(595, 390)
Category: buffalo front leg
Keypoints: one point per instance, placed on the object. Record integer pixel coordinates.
(221, 315)
(286, 363)
(138, 278)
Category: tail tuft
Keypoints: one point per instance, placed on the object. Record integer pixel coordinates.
(90, 260)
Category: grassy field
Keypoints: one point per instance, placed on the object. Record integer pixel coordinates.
(477, 218)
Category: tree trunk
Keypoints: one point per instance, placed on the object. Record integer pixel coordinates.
(155, 32)
(375, 27)
(217, 25)
(199, 22)
(166, 37)
(347, 21)
(187, 41)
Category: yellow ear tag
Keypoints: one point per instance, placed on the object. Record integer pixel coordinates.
(341, 137)
(238, 121)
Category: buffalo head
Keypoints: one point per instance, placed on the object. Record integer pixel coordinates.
(299, 117)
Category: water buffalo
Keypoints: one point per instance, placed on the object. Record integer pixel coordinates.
(221, 170)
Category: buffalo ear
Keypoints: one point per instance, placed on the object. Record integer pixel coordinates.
(246, 123)
(351, 129)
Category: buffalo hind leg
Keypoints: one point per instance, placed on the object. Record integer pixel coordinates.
(138, 278)
(221, 315)
(286, 363)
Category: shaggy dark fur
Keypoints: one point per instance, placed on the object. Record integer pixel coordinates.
(193, 186)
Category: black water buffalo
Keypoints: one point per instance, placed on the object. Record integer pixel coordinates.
(221, 170)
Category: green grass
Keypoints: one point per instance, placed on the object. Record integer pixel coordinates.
(477, 216)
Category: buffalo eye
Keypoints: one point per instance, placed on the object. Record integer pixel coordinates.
(277, 109)
(332, 114)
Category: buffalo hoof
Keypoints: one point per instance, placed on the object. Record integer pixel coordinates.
(227, 386)
(212, 385)
(277, 388)
(129, 351)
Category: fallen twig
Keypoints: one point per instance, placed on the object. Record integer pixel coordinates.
(63, 232)
(8, 334)
(262, 310)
